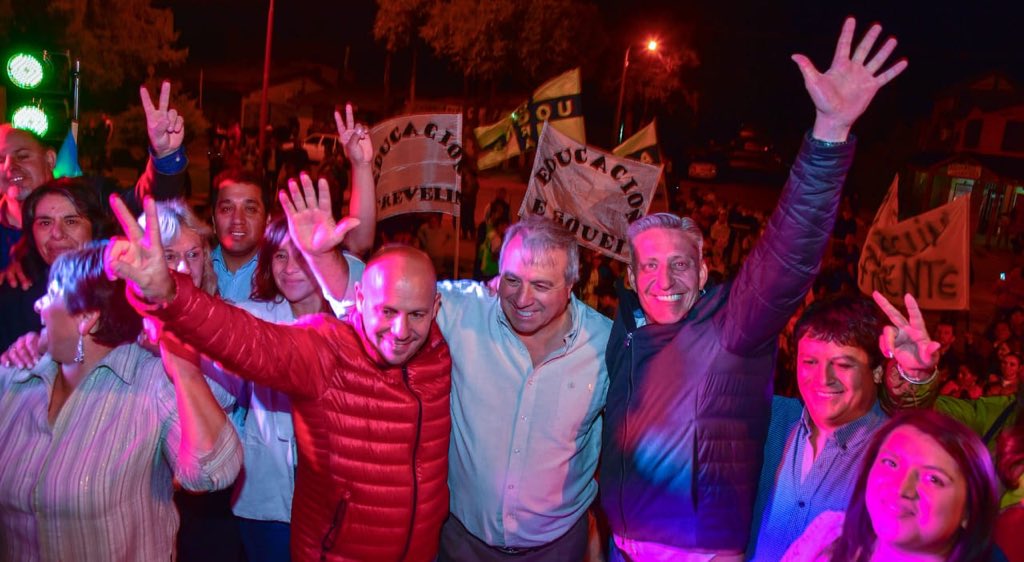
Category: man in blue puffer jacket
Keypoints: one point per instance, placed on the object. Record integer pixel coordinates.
(691, 367)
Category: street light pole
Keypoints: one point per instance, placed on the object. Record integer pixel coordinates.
(618, 130)
(261, 135)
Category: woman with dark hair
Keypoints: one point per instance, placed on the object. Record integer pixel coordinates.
(58, 216)
(96, 433)
(927, 491)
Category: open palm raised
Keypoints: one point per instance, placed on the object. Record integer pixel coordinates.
(310, 222)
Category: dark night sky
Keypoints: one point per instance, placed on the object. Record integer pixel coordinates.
(744, 46)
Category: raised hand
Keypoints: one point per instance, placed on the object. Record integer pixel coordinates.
(354, 138)
(139, 258)
(26, 351)
(846, 89)
(165, 127)
(310, 222)
(907, 341)
(15, 276)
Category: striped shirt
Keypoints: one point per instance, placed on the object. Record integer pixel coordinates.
(97, 484)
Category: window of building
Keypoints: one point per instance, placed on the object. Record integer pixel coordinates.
(1013, 136)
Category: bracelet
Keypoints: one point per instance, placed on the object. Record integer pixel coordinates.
(903, 375)
(830, 144)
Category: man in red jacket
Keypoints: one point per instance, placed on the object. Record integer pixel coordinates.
(369, 393)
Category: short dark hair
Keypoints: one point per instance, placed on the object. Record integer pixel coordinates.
(974, 540)
(86, 200)
(86, 288)
(850, 320)
(240, 175)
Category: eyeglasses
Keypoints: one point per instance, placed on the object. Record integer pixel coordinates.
(191, 258)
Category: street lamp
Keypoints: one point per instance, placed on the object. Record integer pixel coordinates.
(619, 126)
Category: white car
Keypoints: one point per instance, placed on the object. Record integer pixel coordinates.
(318, 146)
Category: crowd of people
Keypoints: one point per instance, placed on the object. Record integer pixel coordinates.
(332, 398)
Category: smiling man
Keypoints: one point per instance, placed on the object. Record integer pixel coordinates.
(691, 366)
(814, 450)
(239, 218)
(528, 387)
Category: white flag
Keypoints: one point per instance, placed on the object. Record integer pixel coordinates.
(594, 193)
(417, 163)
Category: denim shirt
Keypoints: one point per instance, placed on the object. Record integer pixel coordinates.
(786, 502)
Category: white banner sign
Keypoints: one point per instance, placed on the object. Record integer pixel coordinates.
(595, 194)
(417, 163)
(927, 255)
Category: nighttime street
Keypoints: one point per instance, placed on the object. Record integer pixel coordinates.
(511, 281)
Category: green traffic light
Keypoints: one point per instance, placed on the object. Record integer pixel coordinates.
(31, 118)
(25, 70)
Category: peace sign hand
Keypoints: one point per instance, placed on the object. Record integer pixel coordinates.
(907, 341)
(165, 127)
(354, 138)
(139, 258)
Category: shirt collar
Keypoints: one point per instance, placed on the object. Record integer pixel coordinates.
(124, 361)
(576, 312)
(860, 428)
(217, 256)
(45, 369)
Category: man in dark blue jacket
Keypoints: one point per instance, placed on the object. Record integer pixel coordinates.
(691, 367)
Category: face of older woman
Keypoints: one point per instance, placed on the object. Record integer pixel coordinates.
(187, 254)
(59, 227)
(916, 493)
(61, 325)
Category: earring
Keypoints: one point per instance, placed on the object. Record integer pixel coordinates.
(80, 350)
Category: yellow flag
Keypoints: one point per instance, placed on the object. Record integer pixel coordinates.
(642, 146)
(557, 101)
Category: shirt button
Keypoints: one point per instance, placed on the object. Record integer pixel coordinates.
(511, 486)
(516, 451)
(522, 418)
(801, 503)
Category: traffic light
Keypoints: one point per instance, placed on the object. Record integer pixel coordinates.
(38, 88)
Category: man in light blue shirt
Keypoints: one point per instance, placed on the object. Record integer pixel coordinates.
(239, 218)
(528, 389)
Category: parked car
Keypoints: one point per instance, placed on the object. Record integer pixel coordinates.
(318, 146)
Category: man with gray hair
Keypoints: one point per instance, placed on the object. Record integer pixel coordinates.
(528, 387)
(691, 366)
